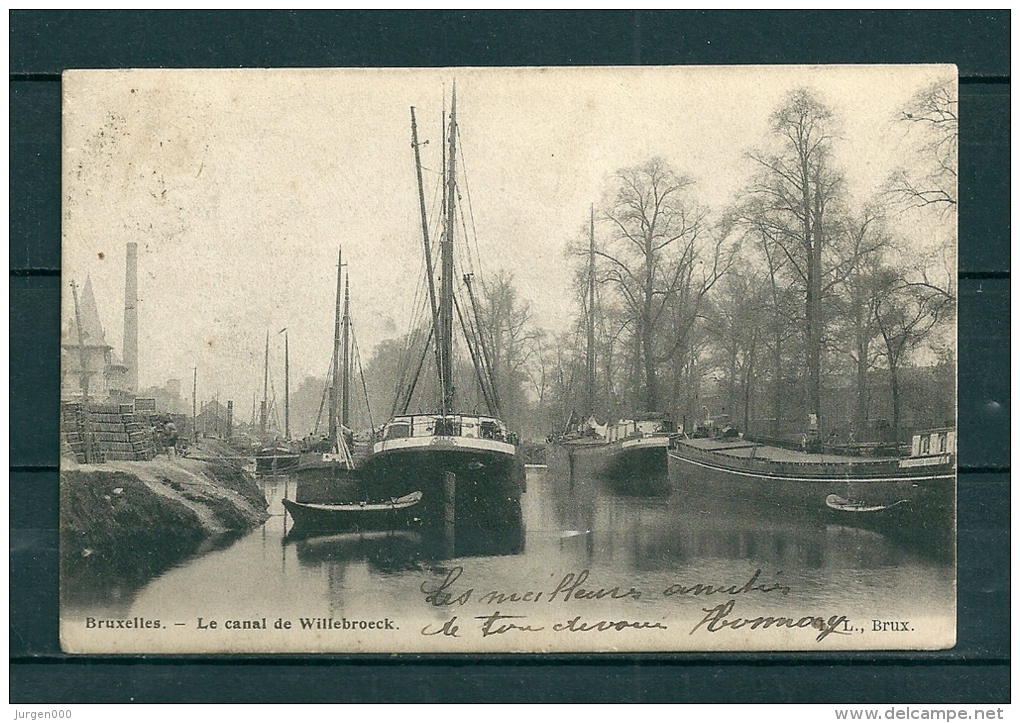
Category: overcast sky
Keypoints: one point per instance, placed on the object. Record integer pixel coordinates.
(239, 186)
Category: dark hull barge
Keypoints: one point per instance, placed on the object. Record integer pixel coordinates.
(636, 466)
(487, 477)
(731, 474)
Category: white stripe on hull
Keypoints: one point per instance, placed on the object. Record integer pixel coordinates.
(789, 478)
(645, 443)
(445, 444)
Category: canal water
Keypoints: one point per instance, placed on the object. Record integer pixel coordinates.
(584, 569)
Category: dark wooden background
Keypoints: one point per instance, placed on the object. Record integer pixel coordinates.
(43, 44)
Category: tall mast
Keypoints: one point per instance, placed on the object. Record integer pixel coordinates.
(429, 271)
(345, 403)
(334, 389)
(446, 291)
(264, 410)
(286, 384)
(591, 314)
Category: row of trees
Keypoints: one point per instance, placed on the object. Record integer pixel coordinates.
(793, 292)
(795, 299)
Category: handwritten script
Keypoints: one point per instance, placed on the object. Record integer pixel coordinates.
(578, 587)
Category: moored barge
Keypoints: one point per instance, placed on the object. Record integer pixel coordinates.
(739, 473)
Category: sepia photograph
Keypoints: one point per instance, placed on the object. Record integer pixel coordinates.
(509, 360)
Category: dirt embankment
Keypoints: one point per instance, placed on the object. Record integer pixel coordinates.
(124, 522)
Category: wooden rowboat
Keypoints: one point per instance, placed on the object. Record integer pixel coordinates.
(392, 513)
(867, 513)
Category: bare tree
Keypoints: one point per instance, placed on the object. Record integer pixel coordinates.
(785, 314)
(510, 339)
(736, 323)
(658, 261)
(905, 313)
(856, 297)
(798, 194)
(932, 117)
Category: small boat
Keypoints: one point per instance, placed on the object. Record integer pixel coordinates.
(630, 454)
(275, 459)
(853, 507)
(395, 512)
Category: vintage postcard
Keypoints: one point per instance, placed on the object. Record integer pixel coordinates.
(509, 360)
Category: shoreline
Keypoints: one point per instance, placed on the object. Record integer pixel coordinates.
(124, 523)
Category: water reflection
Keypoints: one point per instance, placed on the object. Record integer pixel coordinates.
(666, 531)
(110, 585)
(385, 552)
(562, 525)
(389, 551)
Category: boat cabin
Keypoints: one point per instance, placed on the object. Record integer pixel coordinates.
(454, 425)
(647, 426)
(936, 442)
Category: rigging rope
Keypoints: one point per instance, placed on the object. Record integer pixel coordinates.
(364, 384)
(471, 208)
(325, 393)
(490, 402)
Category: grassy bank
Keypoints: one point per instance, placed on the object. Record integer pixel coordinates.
(124, 522)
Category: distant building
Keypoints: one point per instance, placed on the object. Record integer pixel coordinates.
(213, 420)
(109, 378)
(168, 397)
(107, 375)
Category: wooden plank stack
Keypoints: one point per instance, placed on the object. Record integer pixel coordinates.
(117, 433)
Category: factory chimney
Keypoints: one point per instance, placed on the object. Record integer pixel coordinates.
(131, 318)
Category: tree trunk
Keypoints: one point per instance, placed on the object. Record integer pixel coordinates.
(894, 383)
(861, 348)
(731, 386)
(813, 246)
(747, 401)
(651, 385)
(777, 409)
(647, 341)
(814, 332)
(861, 414)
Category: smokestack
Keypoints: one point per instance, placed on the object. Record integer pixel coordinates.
(131, 318)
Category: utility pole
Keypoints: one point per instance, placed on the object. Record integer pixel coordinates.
(83, 362)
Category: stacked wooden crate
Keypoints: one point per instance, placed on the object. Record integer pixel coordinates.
(116, 432)
(72, 427)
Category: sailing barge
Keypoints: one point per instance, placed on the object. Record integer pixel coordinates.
(466, 464)
(631, 453)
(330, 477)
(275, 456)
(738, 473)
